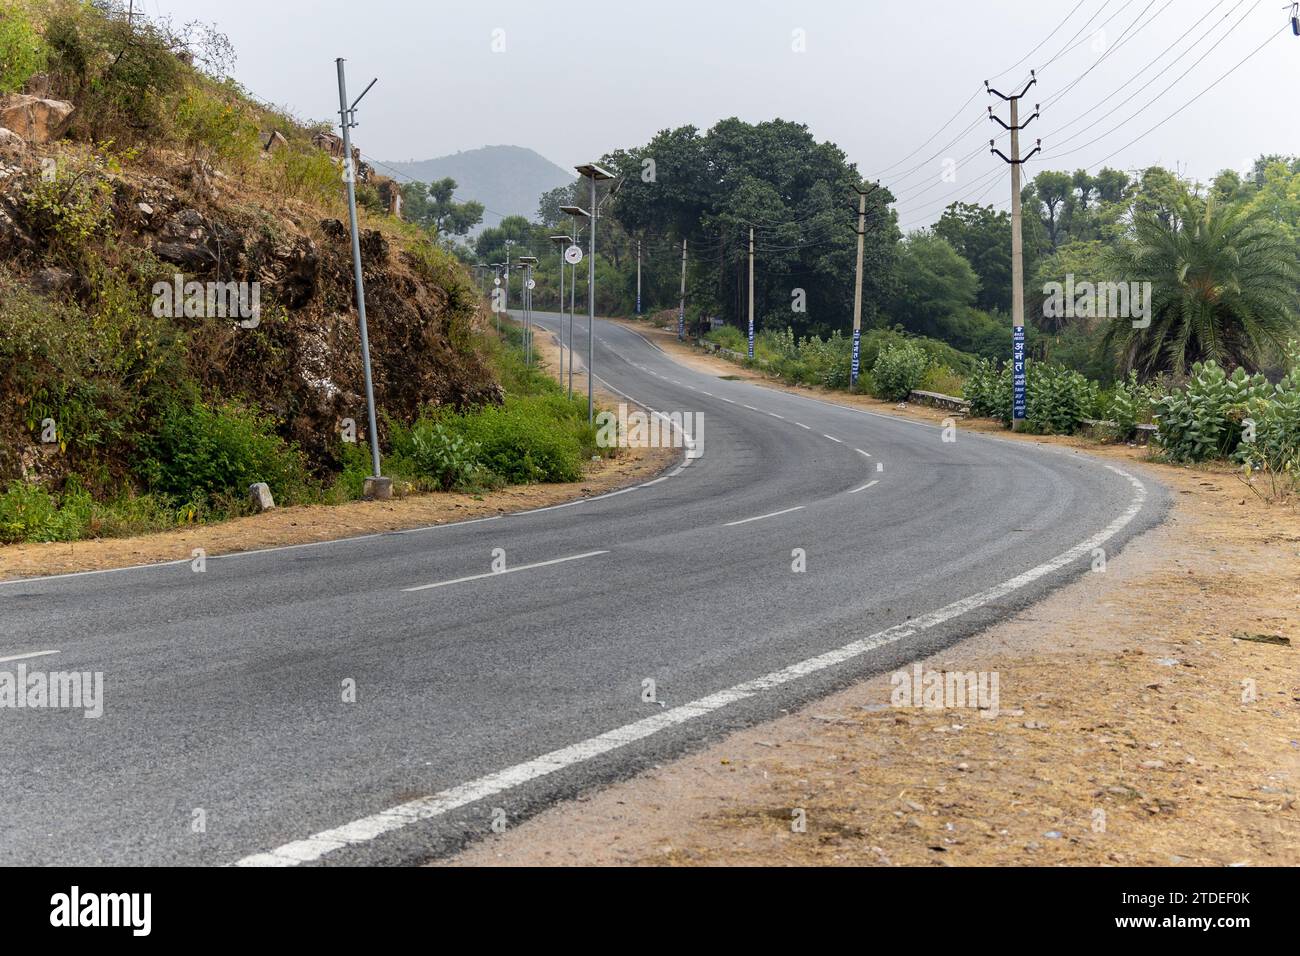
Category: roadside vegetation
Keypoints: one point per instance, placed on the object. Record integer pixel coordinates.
(119, 417)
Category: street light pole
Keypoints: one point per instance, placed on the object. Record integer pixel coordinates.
(594, 173)
(376, 485)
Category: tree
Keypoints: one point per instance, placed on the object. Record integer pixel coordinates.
(935, 286)
(432, 205)
(1223, 284)
(982, 236)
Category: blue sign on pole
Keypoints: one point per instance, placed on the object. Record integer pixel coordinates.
(857, 358)
(1018, 372)
(751, 338)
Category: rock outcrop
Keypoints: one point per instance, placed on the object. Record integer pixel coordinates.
(35, 119)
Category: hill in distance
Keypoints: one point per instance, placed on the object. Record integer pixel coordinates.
(508, 180)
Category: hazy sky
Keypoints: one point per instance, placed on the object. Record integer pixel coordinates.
(877, 78)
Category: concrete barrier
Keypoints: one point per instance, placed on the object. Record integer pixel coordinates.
(938, 400)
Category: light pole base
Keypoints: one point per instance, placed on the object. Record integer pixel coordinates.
(378, 488)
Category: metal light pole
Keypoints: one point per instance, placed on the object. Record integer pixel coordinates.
(638, 277)
(573, 298)
(526, 263)
(376, 485)
(578, 212)
(562, 243)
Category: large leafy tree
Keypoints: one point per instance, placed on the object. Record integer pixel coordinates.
(983, 237)
(795, 193)
(1224, 285)
(433, 206)
(935, 288)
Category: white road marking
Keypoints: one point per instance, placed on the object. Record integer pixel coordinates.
(751, 408)
(880, 466)
(761, 517)
(862, 453)
(28, 656)
(802, 425)
(833, 438)
(873, 481)
(729, 401)
(497, 574)
(710, 394)
(775, 415)
(412, 811)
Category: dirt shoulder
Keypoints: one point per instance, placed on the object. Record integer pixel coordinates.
(308, 523)
(1133, 727)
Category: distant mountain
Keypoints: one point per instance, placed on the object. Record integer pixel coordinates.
(508, 180)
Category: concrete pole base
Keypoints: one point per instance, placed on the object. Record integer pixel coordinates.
(380, 489)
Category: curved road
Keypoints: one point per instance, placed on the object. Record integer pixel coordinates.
(499, 694)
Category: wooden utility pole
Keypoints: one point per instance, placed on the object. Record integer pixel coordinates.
(1018, 380)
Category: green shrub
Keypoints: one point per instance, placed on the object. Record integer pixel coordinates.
(898, 370)
(1057, 399)
(1273, 450)
(442, 457)
(525, 440)
(22, 51)
(1131, 403)
(310, 174)
(942, 379)
(30, 513)
(1204, 419)
(207, 452)
(728, 337)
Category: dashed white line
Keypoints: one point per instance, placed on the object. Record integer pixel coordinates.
(772, 514)
(775, 415)
(862, 453)
(873, 481)
(497, 574)
(368, 828)
(802, 425)
(833, 438)
(750, 407)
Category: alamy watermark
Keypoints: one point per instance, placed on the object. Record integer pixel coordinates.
(21, 689)
(1100, 300)
(209, 300)
(945, 690)
(638, 429)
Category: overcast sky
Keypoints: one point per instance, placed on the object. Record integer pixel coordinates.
(877, 78)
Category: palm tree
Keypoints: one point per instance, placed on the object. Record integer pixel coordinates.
(1223, 286)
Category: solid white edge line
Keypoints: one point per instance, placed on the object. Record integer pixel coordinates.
(874, 481)
(24, 657)
(497, 574)
(773, 514)
(367, 828)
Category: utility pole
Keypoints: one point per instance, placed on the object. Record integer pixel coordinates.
(638, 277)
(681, 308)
(751, 292)
(856, 363)
(376, 486)
(1018, 378)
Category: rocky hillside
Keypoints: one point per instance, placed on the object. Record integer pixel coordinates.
(128, 175)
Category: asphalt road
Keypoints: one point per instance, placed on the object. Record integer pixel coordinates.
(494, 695)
